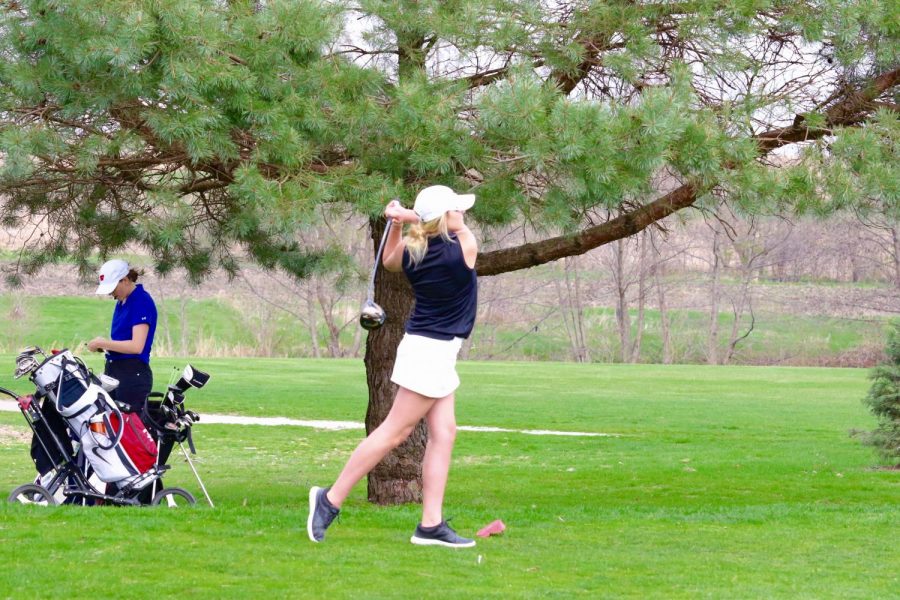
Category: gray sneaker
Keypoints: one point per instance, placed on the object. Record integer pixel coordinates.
(439, 535)
(321, 514)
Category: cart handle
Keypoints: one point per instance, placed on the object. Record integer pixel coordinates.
(9, 393)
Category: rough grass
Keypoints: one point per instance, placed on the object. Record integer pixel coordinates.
(721, 482)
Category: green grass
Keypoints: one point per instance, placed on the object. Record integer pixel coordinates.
(775, 339)
(67, 322)
(737, 482)
(214, 327)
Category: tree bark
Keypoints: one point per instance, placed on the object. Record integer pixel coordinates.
(539, 253)
(397, 479)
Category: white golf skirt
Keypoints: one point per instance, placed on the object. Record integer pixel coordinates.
(427, 366)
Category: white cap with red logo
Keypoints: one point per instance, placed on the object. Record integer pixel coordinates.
(434, 201)
(111, 273)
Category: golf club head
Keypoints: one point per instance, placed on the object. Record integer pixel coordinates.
(372, 316)
(26, 361)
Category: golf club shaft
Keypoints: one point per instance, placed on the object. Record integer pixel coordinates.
(196, 474)
(371, 291)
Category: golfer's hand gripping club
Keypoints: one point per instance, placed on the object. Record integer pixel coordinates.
(373, 316)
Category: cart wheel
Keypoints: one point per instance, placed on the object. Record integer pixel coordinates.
(31, 493)
(173, 497)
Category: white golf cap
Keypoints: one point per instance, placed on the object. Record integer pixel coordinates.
(434, 201)
(111, 273)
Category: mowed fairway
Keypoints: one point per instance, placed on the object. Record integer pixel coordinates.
(719, 482)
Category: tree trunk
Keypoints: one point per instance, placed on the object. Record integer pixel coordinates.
(164, 321)
(742, 301)
(895, 235)
(622, 317)
(566, 313)
(488, 302)
(398, 478)
(642, 300)
(752, 252)
(182, 300)
(572, 310)
(663, 319)
(312, 321)
(657, 268)
(584, 352)
(856, 270)
(357, 342)
(326, 303)
(715, 293)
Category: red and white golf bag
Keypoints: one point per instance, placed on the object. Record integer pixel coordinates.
(116, 445)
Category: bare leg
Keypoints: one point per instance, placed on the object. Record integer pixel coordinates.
(408, 409)
(436, 464)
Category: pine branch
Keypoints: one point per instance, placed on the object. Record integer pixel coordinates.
(850, 111)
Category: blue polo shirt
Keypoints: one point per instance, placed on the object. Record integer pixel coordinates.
(138, 309)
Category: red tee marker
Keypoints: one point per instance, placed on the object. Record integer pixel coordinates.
(494, 528)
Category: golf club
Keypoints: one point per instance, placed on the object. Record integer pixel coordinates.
(373, 316)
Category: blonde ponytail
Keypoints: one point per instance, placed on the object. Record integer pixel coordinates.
(416, 239)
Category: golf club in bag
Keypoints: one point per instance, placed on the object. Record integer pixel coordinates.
(89, 449)
(373, 316)
(167, 416)
(81, 436)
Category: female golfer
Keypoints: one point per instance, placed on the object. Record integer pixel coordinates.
(131, 334)
(438, 257)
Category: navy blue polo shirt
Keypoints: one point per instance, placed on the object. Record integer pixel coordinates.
(138, 309)
(446, 291)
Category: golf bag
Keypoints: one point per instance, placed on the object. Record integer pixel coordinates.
(116, 444)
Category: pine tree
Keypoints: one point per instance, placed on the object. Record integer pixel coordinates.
(884, 400)
(209, 131)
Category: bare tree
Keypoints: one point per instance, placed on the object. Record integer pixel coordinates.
(621, 283)
(881, 237)
(643, 269)
(658, 272)
(715, 293)
(571, 307)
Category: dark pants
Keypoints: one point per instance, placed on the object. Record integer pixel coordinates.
(135, 382)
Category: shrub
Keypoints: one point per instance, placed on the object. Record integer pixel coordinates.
(884, 400)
